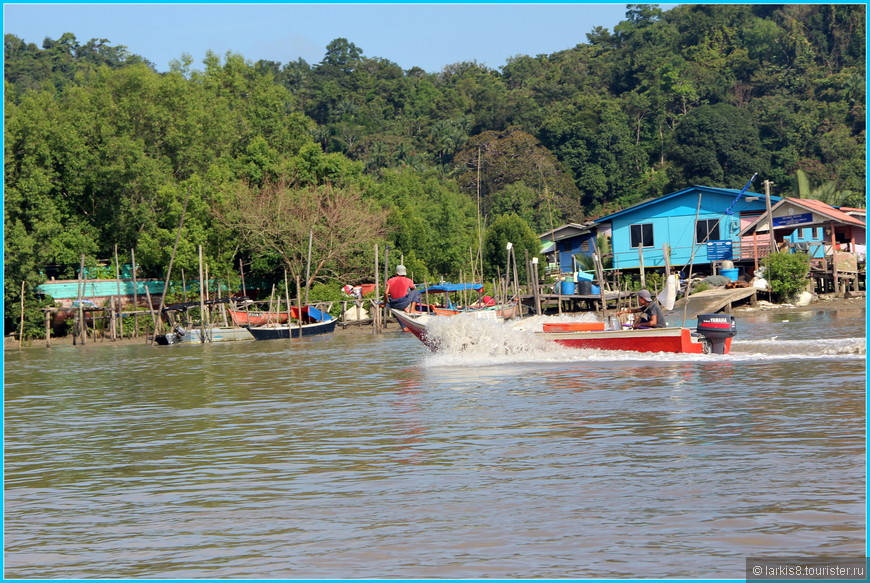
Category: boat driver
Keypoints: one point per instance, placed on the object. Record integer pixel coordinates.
(651, 315)
(400, 292)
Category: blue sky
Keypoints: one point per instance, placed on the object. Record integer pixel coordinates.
(424, 35)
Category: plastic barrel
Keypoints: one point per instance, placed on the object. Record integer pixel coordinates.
(596, 290)
(729, 273)
(567, 288)
(584, 287)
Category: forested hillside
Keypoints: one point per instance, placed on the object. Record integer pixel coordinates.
(103, 152)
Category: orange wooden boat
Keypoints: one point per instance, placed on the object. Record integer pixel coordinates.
(258, 318)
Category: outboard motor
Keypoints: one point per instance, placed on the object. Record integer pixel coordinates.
(716, 328)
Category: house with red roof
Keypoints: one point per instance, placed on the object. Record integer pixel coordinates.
(835, 238)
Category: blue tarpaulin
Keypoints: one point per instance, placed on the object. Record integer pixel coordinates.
(444, 288)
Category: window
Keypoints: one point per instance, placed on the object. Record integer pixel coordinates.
(707, 230)
(642, 235)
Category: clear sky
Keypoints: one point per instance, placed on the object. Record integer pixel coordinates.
(429, 36)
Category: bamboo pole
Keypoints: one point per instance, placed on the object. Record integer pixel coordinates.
(201, 299)
(171, 260)
(244, 291)
(153, 317)
(308, 266)
(376, 312)
(21, 325)
(117, 324)
(299, 306)
(47, 329)
(81, 310)
(287, 294)
(135, 295)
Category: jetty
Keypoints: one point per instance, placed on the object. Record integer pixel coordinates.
(714, 300)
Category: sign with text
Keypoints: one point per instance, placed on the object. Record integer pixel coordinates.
(789, 220)
(719, 250)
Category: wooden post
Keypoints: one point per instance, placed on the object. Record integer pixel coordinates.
(135, 295)
(153, 317)
(48, 328)
(308, 267)
(834, 272)
(287, 295)
(21, 325)
(171, 260)
(118, 325)
(666, 251)
(640, 262)
(376, 313)
(299, 306)
(81, 310)
(772, 242)
(201, 299)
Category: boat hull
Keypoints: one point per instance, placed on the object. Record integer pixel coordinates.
(674, 340)
(291, 331)
(678, 340)
(506, 312)
(195, 336)
(257, 318)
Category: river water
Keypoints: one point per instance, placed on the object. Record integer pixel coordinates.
(361, 456)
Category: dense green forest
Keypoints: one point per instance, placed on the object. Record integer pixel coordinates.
(251, 160)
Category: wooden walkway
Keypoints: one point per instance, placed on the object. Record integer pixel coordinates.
(713, 300)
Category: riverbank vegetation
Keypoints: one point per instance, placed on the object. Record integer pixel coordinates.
(259, 159)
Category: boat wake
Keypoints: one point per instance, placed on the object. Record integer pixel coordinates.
(818, 348)
(466, 341)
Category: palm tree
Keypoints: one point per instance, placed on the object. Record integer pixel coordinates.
(586, 263)
(828, 192)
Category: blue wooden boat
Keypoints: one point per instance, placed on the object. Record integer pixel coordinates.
(314, 322)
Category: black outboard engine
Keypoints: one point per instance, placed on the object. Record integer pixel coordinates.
(715, 328)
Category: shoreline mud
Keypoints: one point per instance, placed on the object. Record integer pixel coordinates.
(822, 303)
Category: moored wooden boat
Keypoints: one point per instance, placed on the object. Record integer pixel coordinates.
(506, 310)
(278, 331)
(313, 322)
(198, 335)
(257, 317)
(713, 334)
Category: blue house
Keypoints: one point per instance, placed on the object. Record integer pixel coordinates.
(561, 244)
(696, 225)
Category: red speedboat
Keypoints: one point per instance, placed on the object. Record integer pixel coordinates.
(712, 335)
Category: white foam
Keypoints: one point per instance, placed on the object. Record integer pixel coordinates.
(466, 341)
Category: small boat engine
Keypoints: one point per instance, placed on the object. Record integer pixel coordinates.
(715, 328)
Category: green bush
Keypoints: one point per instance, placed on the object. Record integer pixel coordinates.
(786, 274)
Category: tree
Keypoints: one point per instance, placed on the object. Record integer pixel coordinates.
(509, 229)
(717, 145)
(494, 160)
(277, 219)
(787, 273)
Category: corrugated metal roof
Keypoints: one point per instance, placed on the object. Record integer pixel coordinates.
(825, 209)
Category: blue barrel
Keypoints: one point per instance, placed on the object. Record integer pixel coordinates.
(596, 290)
(567, 288)
(729, 273)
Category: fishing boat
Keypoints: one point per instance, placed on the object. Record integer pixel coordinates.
(198, 335)
(312, 322)
(257, 317)
(712, 335)
(481, 304)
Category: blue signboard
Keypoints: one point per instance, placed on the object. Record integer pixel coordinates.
(788, 220)
(719, 250)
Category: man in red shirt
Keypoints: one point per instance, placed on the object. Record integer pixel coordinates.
(400, 292)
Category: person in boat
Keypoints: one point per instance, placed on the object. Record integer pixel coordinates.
(400, 292)
(650, 313)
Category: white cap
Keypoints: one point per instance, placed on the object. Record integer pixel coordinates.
(400, 270)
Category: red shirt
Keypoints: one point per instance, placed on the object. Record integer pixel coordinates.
(398, 286)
